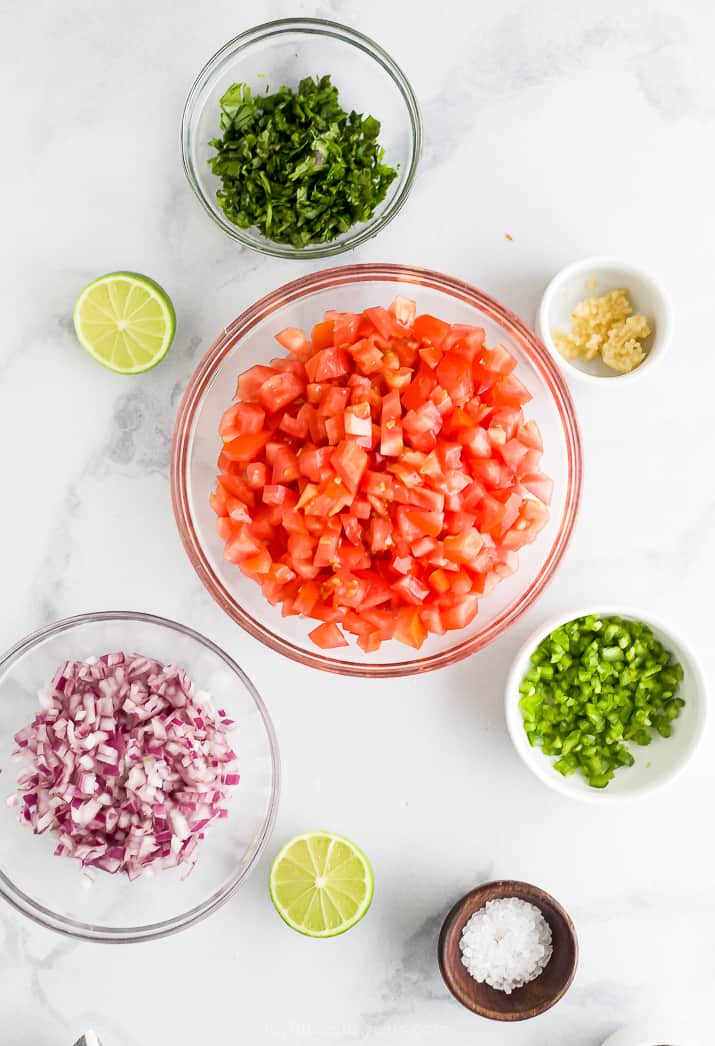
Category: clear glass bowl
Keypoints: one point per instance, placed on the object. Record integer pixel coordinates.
(282, 53)
(249, 340)
(50, 889)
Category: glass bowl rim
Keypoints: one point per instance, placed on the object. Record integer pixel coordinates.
(76, 929)
(325, 280)
(312, 26)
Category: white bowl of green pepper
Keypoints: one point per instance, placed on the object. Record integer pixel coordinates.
(605, 704)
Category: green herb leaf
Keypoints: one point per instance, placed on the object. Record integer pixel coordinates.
(296, 165)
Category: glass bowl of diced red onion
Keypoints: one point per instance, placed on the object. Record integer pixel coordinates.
(140, 776)
(369, 584)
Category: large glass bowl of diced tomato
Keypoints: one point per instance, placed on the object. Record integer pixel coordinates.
(376, 469)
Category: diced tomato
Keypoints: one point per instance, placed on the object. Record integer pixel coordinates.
(430, 329)
(425, 418)
(238, 487)
(464, 340)
(381, 477)
(367, 356)
(246, 448)
(431, 617)
(285, 466)
(352, 527)
(327, 364)
(217, 500)
(380, 535)
(454, 374)
(327, 549)
(278, 494)
(322, 335)
(241, 419)
(539, 485)
(238, 510)
(423, 547)
(349, 461)
(463, 548)
(370, 641)
(409, 627)
(462, 613)
(251, 381)
(498, 359)
(308, 595)
(345, 328)
(475, 441)
(333, 400)
(361, 508)
(419, 388)
(383, 322)
(429, 523)
(358, 420)
(510, 392)
(404, 310)
(328, 636)
(529, 435)
(300, 546)
(334, 430)
(411, 589)
(439, 581)
(513, 453)
(280, 389)
(297, 426)
(391, 443)
(490, 515)
(398, 378)
(430, 355)
(491, 472)
(292, 339)
(383, 621)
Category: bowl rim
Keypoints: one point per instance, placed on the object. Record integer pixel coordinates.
(325, 280)
(473, 901)
(663, 333)
(78, 930)
(311, 26)
(539, 764)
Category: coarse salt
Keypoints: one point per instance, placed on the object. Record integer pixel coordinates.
(506, 944)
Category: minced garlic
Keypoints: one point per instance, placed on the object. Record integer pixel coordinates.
(607, 327)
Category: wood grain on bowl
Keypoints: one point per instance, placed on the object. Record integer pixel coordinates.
(533, 998)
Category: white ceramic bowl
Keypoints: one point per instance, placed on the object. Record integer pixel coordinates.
(655, 764)
(652, 1034)
(592, 277)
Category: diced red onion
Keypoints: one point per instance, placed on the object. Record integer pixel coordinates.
(127, 763)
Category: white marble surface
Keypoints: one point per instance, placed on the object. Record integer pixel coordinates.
(575, 128)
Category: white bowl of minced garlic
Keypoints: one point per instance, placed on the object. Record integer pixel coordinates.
(603, 318)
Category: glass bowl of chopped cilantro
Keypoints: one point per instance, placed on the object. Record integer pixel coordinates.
(301, 138)
(605, 704)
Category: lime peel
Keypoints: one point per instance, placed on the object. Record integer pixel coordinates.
(125, 321)
(321, 884)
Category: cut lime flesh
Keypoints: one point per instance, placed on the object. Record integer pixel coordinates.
(321, 884)
(125, 321)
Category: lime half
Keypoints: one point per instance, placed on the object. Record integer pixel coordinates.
(321, 884)
(125, 321)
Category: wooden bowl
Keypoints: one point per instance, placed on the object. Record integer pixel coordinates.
(534, 998)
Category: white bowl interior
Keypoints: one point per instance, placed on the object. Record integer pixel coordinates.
(257, 345)
(592, 278)
(277, 58)
(656, 763)
(50, 887)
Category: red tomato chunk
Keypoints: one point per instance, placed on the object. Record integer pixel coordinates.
(381, 478)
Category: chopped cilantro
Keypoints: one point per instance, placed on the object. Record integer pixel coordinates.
(296, 165)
